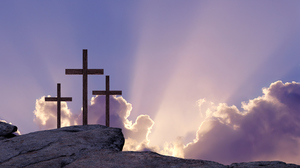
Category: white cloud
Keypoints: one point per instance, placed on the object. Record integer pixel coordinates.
(46, 114)
(136, 134)
(266, 129)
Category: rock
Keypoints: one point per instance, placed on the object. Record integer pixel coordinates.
(94, 146)
(130, 159)
(265, 164)
(107, 159)
(59, 146)
(7, 129)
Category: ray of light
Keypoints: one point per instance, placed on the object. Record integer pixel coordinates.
(213, 54)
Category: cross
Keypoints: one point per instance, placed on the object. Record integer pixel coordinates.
(107, 92)
(58, 99)
(84, 72)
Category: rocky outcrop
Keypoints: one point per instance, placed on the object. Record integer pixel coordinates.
(94, 146)
(264, 164)
(7, 130)
(105, 159)
(58, 147)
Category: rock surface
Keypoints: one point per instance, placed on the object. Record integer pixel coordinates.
(7, 130)
(104, 159)
(267, 164)
(94, 146)
(59, 147)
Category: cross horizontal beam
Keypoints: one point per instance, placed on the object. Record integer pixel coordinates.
(112, 92)
(55, 99)
(80, 71)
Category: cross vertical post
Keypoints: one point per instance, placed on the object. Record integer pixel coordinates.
(58, 106)
(58, 99)
(107, 93)
(84, 72)
(85, 87)
(107, 101)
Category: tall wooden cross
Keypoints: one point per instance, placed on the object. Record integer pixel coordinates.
(58, 99)
(84, 72)
(107, 93)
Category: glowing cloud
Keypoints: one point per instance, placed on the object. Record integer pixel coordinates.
(136, 134)
(266, 129)
(46, 114)
(207, 49)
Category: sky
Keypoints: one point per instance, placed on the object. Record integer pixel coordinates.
(214, 80)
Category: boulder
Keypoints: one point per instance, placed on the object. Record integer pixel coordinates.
(59, 146)
(7, 129)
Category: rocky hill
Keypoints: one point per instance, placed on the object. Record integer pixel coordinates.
(91, 146)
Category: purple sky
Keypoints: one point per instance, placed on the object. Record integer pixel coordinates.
(166, 57)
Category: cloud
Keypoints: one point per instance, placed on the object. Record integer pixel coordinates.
(175, 148)
(266, 129)
(136, 134)
(46, 114)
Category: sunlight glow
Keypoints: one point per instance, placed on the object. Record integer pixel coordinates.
(172, 74)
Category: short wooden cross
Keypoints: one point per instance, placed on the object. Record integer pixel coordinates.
(107, 93)
(84, 72)
(58, 99)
